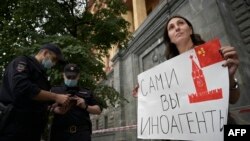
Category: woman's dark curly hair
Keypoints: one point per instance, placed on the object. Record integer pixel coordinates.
(171, 49)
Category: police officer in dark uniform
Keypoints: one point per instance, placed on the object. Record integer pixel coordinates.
(74, 123)
(26, 86)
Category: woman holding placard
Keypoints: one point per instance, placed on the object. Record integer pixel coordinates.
(179, 37)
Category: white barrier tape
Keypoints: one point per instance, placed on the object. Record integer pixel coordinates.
(122, 128)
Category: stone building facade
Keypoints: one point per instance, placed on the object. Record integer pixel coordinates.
(229, 20)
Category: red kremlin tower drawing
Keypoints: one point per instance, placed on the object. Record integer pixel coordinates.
(202, 94)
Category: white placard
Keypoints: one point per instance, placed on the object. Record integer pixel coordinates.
(178, 99)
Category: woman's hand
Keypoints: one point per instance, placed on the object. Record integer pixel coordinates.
(135, 91)
(232, 61)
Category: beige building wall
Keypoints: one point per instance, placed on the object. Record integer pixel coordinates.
(138, 10)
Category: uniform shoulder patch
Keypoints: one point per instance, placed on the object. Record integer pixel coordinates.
(83, 92)
(21, 66)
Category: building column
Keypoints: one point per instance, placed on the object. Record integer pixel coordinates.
(140, 13)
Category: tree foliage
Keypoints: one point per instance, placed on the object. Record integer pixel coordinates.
(84, 37)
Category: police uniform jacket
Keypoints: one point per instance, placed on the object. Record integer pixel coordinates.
(23, 79)
(76, 115)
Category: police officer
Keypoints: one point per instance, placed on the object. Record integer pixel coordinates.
(26, 86)
(74, 123)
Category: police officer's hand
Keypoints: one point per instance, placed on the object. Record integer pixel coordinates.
(52, 107)
(61, 109)
(80, 102)
(63, 99)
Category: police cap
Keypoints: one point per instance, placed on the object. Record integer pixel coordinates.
(55, 49)
(71, 70)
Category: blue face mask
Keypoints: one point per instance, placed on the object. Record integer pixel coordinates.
(70, 82)
(47, 63)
